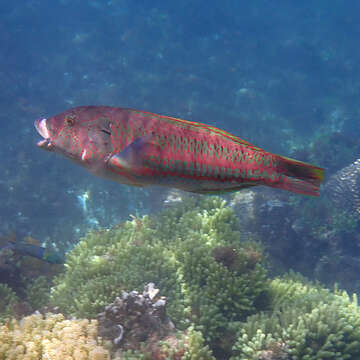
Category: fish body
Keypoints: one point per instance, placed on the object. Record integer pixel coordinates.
(141, 148)
(36, 251)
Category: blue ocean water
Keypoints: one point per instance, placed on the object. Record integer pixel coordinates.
(283, 75)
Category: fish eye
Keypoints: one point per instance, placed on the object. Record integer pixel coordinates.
(70, 120)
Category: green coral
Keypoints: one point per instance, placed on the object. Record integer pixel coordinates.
(217, 295)
(8, 299)
(188, 345)
(107, 262)
(307, 323)
(34, 297)
(196, 348)
(37, 292)
(183, 251)
(216, 288)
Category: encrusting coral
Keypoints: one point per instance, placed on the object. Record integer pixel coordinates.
(51, 337)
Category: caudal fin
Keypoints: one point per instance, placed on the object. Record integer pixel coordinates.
(301, 177)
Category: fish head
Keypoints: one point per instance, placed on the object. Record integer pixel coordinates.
(78, 134)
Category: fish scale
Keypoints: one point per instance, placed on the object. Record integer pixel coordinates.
(140, 148)
(192, 157)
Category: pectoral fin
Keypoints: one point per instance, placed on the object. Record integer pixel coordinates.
(132, 156)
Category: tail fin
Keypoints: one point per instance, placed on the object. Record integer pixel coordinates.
(301, 177)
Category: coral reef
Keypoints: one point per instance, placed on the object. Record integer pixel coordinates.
(8, 300)
(316, 237)
(33, 297)
(146, 333)
(29, 278)
(272, 218)
(37, 293)
(134, 319)
(343, 188)
(51, 337)
(335, 229)
(332, 149)
(179, 250)
(304, 321)
(307, 322)
(216, 300)
(139, 328)
(187, 345)
(294, 88)
(107, 262)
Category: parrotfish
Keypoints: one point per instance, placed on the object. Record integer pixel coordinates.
(141, 148)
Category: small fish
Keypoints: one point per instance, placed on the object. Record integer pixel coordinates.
(30, 249)
(140, 148)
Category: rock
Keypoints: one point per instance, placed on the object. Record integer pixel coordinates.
(134, 320)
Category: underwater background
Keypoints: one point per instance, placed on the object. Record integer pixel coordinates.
(282, 75)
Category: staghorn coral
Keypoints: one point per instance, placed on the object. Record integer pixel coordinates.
(307, 322)
(51, 337)
(177, 251)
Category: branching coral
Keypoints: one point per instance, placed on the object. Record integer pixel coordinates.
(32, 298)
(216, 295)
(36, 337)
(7, 301)
(108, 262)
(307, 323)
(188, 345)
(37, 292)
(177, 251)
(215, 287)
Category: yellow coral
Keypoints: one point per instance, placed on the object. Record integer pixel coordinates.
(51, 337)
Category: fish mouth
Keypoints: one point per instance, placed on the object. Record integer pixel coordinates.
(42, 129)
